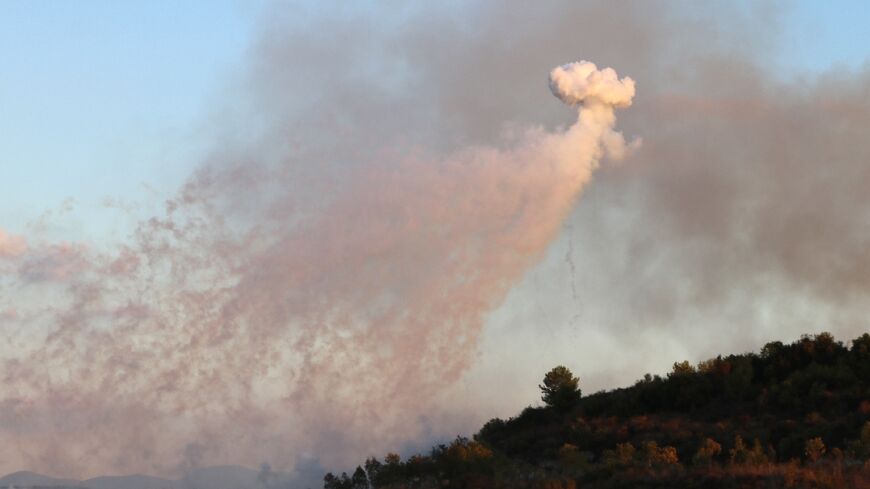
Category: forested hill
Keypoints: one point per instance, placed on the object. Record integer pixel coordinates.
(793, 415)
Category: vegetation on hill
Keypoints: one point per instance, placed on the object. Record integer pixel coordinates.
(793, 415)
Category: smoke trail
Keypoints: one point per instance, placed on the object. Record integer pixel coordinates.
(308, 325)
(569, 260)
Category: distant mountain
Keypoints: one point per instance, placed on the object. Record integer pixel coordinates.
(29, 479)
(217, 477)
(221, 477)
(136, 481)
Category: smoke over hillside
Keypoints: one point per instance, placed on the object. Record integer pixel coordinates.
(337, 268)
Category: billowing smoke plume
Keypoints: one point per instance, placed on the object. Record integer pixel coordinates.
(311, 324)
(741, 220)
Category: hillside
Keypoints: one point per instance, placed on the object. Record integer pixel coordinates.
(26, 478)
(793, 415)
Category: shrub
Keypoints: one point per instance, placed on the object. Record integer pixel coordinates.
(814, 449)
(708, 451)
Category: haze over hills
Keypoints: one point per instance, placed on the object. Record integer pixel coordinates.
(135, 481)
(215, 477)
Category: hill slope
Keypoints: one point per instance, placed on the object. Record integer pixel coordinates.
(136, 481)
(792, 415)
(27, 479)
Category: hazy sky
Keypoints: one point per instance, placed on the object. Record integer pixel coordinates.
(250, 227)
(101, 98)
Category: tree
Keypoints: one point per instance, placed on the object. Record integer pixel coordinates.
(359, 479)
(560, 389)
(332, 482)
(373, 468)
(739, 381)
(392, 459)
(683, 368)
(861, 345)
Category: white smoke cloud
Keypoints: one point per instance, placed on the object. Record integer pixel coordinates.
(581, 82)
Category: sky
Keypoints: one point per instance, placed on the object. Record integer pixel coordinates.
(119, 90)
(122, 90)
(249, 226)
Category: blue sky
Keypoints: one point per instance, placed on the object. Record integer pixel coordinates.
(108, 99)
(100, 97)
(821, 35)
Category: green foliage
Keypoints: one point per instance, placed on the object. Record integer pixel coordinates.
(560, 389)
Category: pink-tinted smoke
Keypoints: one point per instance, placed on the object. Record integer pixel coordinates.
(11, 245)
(321, 328)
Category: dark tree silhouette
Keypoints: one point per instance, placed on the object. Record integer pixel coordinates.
(359, 479)
(560, 389)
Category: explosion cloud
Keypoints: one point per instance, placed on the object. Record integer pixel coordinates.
(582, 83)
